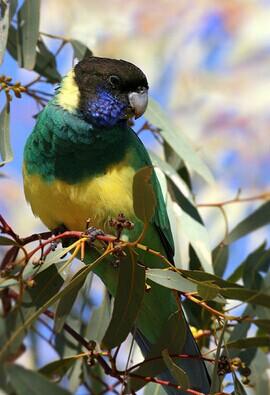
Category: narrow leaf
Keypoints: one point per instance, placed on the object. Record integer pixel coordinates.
(246, 295)
(238, 387)
(28, 28)
(4, 22)
(258, 341)
(99, 320)
(170, 340)
(6, 241)
(198, 237)
(80, 50)
(5, 146)
(178, 374)
(57, 369)
(64, 306)
(207, 290)
(155, 115)
(220, 258)
(215, 382)
(170, 279)
(254, 221)
(128, 299)
(28, 382)
(50, 300)
(154, 389)
(144, 200)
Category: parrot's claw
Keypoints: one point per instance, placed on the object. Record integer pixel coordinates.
(93, 232)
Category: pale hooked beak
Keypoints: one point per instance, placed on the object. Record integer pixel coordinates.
(138, 101)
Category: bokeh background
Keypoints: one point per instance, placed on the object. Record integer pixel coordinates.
(208, 65)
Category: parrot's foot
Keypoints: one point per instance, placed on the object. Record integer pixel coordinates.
(93, 232)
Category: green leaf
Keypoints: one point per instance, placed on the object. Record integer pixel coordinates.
(259, 373)
(80, 50)
(48, 299)
(45, 60)
(93, 376)
(185, 204)
(178, 142)
(215, 381)
(258, 261)
(220, 257)
(64, 306)
(261, 323)
(257, 341)
(6, 241)
(56, 370)
(5, 146)
(14, 327)
(207, 290)
(28, 29)
(99, 320)
(154, 389)
(144, 200)
(238, 387)
(46, 63)
(198, 237)
(13, 8)
(4, 22)
(170, 279)
(170, 340)
(128, 300)
(28, 382)
(254, 221)
(178, 374)
(246, 295)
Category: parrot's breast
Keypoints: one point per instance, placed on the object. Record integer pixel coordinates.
(98, 198)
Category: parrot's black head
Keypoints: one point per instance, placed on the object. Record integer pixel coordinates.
(110, 90)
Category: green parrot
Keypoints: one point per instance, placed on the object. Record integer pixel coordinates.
(79, 163)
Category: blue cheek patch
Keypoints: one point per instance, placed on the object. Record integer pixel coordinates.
(106, 110)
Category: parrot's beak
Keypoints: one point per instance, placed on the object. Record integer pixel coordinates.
(138, 101)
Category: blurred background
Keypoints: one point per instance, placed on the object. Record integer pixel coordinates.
(208, 65)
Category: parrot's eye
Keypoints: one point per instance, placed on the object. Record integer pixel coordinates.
(114, 80)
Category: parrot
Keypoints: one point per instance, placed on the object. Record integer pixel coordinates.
(80, 161)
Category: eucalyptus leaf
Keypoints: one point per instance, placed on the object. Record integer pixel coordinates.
(198, 237)
(254, 221)
(178, 142)
(257, 341)
(207, 290)
(128, 300)
(99, 320)
(220, 257)
(154, 363)
(4, 22)
(238, 387)
(47, 284)
(46, 63)
(180, 376)
(5, 146)
(80, 50)
(28, 382)
(28, 29)
(154, 389)
(65, 304)
(6, 241)
(171, 279)
(56, 370)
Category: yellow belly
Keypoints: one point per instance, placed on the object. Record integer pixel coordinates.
(99, 198)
